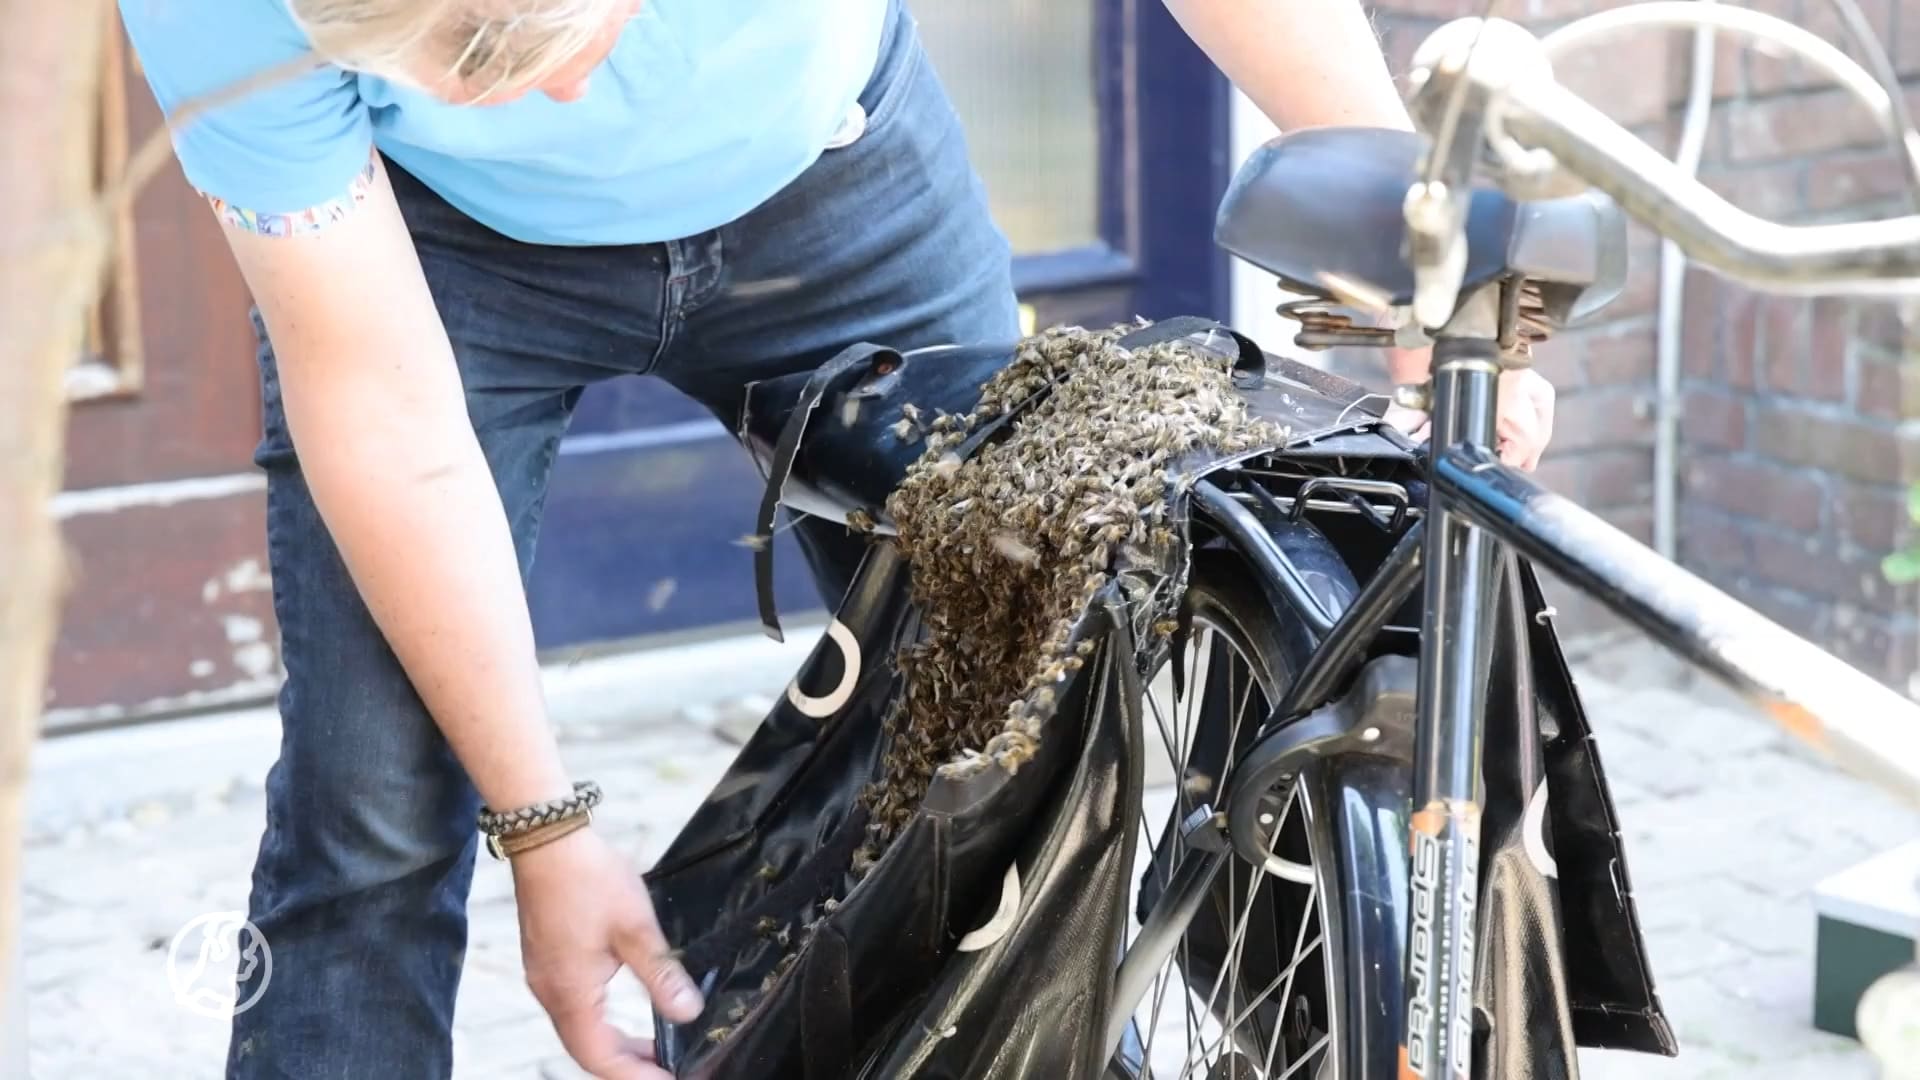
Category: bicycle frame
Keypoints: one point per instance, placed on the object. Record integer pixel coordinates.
(1499, 92)
(1477, 508)
(1455, 643)
(1477, 505)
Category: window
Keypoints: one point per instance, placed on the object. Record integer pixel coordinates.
(1022, 77)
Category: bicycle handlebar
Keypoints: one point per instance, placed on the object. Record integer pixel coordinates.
(1857, 257)
(1485, 94)
(1485, 90)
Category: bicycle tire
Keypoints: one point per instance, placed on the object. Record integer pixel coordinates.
(1350, 860)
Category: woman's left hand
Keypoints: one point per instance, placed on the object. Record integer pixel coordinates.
(1525, 424)
(1526, 417)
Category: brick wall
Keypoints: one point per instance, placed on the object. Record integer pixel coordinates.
(1801, 422)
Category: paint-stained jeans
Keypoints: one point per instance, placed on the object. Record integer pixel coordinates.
(361, 882)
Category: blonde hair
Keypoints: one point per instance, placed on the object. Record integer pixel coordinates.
(483, 44)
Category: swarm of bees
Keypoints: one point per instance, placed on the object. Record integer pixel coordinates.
(1009, 547)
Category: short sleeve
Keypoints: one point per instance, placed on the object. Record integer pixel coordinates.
(283, 148)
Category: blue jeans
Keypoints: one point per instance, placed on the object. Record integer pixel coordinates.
(361, 881)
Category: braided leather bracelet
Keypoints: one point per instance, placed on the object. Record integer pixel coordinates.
(499, 826)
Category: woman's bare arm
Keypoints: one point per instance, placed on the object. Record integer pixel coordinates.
(375, 406)
(1305, 63)
(379, 419)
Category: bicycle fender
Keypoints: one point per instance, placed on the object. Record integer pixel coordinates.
(1609, 980)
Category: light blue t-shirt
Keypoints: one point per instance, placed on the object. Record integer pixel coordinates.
(704, 109)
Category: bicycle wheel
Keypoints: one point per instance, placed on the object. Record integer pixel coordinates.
(1252, 990)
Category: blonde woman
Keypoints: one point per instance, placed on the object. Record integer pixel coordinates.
(474, 209)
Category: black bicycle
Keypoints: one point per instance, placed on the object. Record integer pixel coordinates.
(1347, 819)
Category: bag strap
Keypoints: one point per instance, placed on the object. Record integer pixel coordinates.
(784, 453)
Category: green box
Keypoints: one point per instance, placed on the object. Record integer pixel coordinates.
(1868, 923)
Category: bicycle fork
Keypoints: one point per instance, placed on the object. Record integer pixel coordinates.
(1456, 643)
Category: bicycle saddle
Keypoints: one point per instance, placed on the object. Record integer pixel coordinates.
(1328, 201)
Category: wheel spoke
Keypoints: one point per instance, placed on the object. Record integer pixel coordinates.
(1193, 1015)
(1160, 984)
(1309, 912)
(1196, 683)
(1174, 741)
(1240, 711)
(1281, 982)
(1280, 1025)
(1253, 883)
(1170, 741)
(1225, 1036)
(1308, 916)
(1306, 1055)
(1237, 928)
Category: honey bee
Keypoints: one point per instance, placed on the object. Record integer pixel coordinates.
(778, 972)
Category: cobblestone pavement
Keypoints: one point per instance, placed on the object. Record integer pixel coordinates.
(1728, 831)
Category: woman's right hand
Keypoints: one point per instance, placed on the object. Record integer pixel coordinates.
(585, 914)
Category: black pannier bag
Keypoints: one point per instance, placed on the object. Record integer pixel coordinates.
(980, 945)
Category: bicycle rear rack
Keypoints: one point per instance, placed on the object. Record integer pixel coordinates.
(1332, 494)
